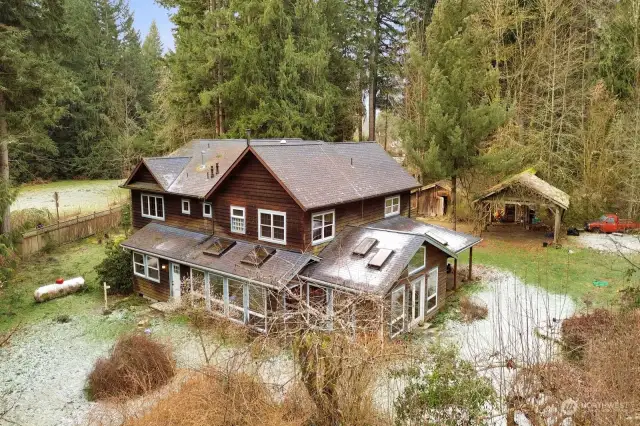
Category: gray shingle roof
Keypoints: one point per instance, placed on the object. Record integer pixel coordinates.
(447, 240)
(187, 247)
(341, 267)
(166, 169)
(320, 174)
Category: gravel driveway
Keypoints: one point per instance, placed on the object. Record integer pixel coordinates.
(627, 244)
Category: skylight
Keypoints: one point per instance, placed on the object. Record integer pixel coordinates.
(219, 246)
(380, 258)
(364, 246)
(258, 255)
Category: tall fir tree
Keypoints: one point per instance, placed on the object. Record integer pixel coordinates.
(454, 101)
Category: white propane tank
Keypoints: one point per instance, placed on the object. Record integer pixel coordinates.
(51, 291)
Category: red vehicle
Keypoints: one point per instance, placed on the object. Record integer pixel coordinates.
(609, 223)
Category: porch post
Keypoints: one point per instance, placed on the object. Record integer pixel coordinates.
(455, 274)
(470, 263)
(556, 228)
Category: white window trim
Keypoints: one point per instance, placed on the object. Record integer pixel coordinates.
(333, 227)
(204, 214)
(392, 212)
(188, 210)
(421, 290)
(244, 219)
(272, 240)
(402, 317)
(426, 291)
(424, 262)
(146, 266)
(149, 197)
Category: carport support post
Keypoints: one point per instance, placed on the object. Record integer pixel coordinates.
(455, 274)
(556, 228)
(470, 263)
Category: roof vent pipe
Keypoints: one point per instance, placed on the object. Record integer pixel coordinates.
(212, 175)
(217, 169)
(207, 175)
(248, 137)
(202, 157)
(351, 161)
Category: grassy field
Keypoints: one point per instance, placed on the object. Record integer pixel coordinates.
(76, 196)
(567, 270)
(78, 259)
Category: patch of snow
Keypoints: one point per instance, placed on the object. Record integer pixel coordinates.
(610, 243)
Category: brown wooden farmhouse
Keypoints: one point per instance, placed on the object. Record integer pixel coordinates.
(255, 231)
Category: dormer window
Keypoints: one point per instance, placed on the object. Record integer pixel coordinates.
(186, 206)
(207, 210)
(152, 206)
(392, 206)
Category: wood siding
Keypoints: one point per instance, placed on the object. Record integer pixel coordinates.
(173, 215)
(143, 175)
(426, 202)
(356, 213)
(252, 186)
(151, 289)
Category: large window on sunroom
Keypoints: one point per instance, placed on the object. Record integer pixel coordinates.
(418, 261)
(323, 226)
(272, 226)
(392, 206)
(152, 206)
(146, 266)
(397, 311)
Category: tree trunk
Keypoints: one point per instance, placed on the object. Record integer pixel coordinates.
(454, 200)
(373, 78)
(4, 159)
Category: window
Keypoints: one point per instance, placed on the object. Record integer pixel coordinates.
(236, 300)
(216, 288)
(432, 290)
(397, 311)
(238, 220)
(272, 226)
(186, 206)
(257, 306)
(392, 206)
(207, 210)
(152, 206)
(418, 261)
(323, 226)
(146, 266)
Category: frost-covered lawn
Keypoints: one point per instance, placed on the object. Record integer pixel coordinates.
(76, 196)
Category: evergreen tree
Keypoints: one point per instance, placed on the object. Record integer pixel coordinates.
(31, 81)
(443, 130)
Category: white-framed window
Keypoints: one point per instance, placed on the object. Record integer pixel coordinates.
(152, 206)
(207, 210)
(272, 226)
(256, 306)
(238, 220)
(432, 290)
(418, 261)
(186, 206)
(323, 226)
(392, 206)
(146, 266)
(397, 311)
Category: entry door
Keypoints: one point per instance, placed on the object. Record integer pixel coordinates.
(417, 301)
(176, 281)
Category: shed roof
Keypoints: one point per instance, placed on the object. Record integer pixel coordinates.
(339, 266)
(529, 179)
(187, 247)
(449, 241)
(319, 174)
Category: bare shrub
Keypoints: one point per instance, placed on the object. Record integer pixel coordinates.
(137, 364)
(214, 398)
(472, 310)
(578, 330)
(601, 389)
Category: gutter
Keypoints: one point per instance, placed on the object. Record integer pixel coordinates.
(199, 197)
(331, 285)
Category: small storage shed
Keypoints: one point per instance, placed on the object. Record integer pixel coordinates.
(431, 200)
(519, 196)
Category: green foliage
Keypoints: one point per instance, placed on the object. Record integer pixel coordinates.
(126, 219)
(116, 269)
(454, 91)
(448, 391)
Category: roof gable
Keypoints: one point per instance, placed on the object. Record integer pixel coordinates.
(143, 178)
(166, 169)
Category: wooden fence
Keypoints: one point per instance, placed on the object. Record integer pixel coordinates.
(69, 230)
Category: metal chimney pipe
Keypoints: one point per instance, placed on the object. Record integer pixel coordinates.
(202, 157)
(212, 175)
(248, 137)
(217, 169)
